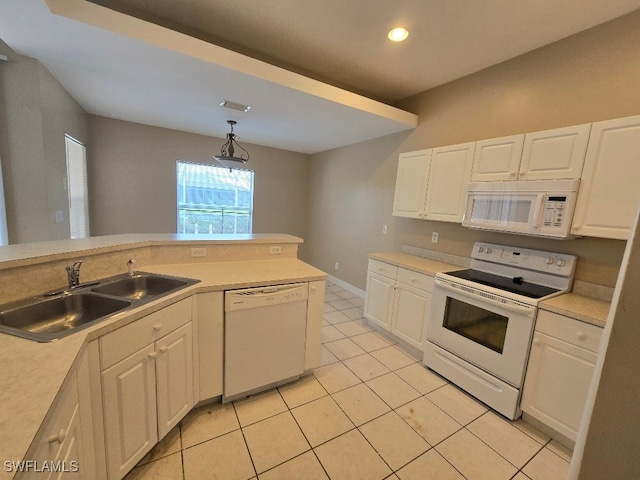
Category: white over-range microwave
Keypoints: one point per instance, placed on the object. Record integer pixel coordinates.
(539, 207)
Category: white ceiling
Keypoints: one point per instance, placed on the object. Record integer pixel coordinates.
(126, 67)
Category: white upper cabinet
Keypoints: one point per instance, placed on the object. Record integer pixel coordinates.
(547, 155)
(554, 154)
(411, 184)
(609, 195)
(449, 174)
(497, 159)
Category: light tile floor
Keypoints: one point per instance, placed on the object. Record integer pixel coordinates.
(371, 411)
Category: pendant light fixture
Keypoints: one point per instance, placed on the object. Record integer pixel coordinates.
(227, 157)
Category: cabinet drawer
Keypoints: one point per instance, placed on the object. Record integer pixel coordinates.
(383, 269)
(572, 331)
(129, 339)
(417, 280)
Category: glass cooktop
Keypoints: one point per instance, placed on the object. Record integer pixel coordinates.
(515, 285)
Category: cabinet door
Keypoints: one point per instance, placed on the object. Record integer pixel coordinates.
(497, 159)
(557, 381)
(609, 195)
(379, 299)
(410, 311)
(411, 184)
(129, 399)
(174, 372)
(554, 154)
(449, 175)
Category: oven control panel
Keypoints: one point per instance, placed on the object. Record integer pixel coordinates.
(548, 262)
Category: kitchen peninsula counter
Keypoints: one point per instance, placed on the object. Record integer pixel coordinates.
(32, 373)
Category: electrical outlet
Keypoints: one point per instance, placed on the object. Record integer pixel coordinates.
(435, 236)
(337, 267)
(384, 229)
(199, 252)
(275, 249)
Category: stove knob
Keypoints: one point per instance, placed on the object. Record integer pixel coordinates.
(561, 263)
(488, 250)
(549, 261)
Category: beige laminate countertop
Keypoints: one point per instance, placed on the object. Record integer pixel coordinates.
(586, 309)
(414, 263)
(32, 373)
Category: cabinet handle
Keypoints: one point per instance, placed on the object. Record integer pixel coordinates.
(164, 349)
(313, 289)
(157, 327)
(59, 438)
(153, 355)
(580, 335)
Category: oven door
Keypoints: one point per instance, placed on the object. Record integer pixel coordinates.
(490, 332)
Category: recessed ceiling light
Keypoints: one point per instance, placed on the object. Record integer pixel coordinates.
(398, 34)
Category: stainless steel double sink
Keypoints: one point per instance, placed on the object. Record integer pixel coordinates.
(52, 316)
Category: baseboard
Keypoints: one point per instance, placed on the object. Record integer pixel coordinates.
(347, 286)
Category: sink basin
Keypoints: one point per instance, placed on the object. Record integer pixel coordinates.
(140, 286)
(49, 319)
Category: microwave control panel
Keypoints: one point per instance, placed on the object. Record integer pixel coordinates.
(555, 208)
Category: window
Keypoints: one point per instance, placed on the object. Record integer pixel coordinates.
(77, 188)
(214, 199)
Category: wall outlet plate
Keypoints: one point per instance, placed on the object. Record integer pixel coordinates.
(435, 236)
(275, 249)
(199, 252)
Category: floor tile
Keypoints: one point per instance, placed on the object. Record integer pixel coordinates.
(366, 367)
(332, 287)
(393, 357)
(302, 391)
(532, 431)
(322, 420)
(421, 378)
(331, 333)
(360, 403)
(326, 357)
(335, 317)
(560, 450)
(428, 420)
(345, 294)
(336, 377)
(169, 467)
(393, 390)
(344, 349)
(370, 341)
(171, 443)
(356, 302)
(430, 465)
(328, 308)
(461, 406)
(259, 407)
(474, 459)
(302, 467)
(331, 297)
(351, 328)
(350, 457)
(274, 441)
(205, 423)
(395, 441)
(513, 444)
(353, 312)
(546, 465)
(224, 457)
(521, 476)
(340, 304)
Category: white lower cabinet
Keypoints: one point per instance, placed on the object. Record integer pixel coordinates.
(559, 373)
(146, 392)
(398, 300)
(64, 448)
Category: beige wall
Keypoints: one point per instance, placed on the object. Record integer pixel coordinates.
(132, 179)
(591, 76)
(35, 114)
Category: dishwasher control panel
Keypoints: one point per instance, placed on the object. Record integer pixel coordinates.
(264, 296)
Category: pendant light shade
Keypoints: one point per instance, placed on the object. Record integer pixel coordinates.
(228, 157)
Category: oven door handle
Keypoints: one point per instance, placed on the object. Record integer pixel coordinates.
(529, 312)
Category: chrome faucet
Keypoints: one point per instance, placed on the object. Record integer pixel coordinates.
(130, 263)
(73, 272)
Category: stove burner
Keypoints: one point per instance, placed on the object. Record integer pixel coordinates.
(515, 285)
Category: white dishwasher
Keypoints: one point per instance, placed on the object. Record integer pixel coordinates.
(264, 337)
